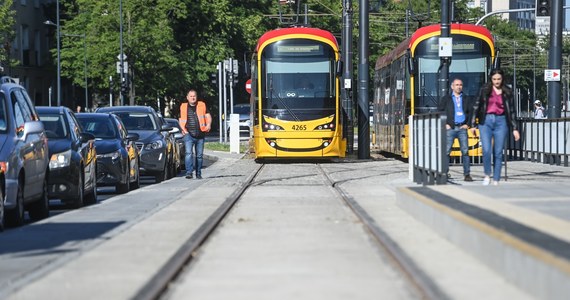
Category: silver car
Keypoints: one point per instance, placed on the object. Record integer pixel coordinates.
(23, 158)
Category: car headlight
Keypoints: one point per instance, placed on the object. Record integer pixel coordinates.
(113, 155)
(60, 160)
(154, 145)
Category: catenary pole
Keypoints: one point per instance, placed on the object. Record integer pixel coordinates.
(555, 59)
(363, 77)
(346, 92)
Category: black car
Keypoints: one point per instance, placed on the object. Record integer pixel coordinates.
(178, 134)
(154, 145)
(72, 173)
(117, 154)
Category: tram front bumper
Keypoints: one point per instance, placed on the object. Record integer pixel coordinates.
(299, 147)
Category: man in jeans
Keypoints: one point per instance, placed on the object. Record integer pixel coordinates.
(457, 108)
(196, 121)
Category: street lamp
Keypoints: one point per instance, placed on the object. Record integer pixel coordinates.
(84, 37)
(58, 36)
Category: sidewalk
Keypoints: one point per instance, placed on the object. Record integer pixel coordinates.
(520, 228)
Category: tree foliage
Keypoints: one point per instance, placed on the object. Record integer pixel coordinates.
(174, 45)
(6, 30)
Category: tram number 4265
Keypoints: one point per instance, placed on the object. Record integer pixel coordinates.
(299, 127)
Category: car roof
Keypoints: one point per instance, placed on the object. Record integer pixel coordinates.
(133, 108)
(93, 115)
(51, 109)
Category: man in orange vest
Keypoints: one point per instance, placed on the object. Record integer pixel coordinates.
(196, 121)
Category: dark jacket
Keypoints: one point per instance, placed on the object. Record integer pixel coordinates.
(480, 106)
(448, 106)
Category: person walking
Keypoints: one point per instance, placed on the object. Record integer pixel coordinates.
(494, 109)
(538, 110)
(457, 108)
(196, 121)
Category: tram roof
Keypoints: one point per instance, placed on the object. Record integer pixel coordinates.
(284, 32)
(426, 32)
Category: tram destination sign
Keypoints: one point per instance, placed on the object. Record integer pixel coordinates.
(299, 48)
(459, 46)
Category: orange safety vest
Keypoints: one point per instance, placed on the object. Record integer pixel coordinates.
(203, 118)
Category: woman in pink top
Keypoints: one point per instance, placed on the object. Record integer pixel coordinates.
(494, 108)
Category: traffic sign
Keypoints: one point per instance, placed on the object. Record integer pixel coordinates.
(125, 67)
(248, 86)
(552, 75)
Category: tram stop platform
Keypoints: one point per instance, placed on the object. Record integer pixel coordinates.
(520, 228)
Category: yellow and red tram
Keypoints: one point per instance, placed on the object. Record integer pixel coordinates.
(295, 95)
(406, 81)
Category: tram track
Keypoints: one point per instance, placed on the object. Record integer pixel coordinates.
(159, 283)
(424, 286)
(159, 286)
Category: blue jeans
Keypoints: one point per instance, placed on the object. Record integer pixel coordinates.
(461, 135)
(189, 143)
(493, 135)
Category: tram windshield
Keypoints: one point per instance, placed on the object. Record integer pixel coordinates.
(470, 70)
(298, 80)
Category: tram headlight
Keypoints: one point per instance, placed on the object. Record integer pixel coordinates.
(327, 126)
(269, 126)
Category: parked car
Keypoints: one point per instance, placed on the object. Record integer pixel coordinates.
(117, 154)
(178, 134)
(23, 157)
(244, 112)
(154, 145)
(73, 160)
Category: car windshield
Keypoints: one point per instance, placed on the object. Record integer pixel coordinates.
(3, 122)
(54, 126)
(241, 109)
(101, 128)
(138, 121)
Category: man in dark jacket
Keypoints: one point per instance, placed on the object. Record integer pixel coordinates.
(457, 108)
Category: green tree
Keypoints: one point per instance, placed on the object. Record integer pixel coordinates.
(6, 31)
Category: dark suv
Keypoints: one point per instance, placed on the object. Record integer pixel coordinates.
(156, 149)
(23, 157)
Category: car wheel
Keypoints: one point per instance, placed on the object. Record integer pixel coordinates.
(15, 216)
(40, 209)
(161, 176)
(137, 183)
(79, 199)
(92, 197)
(1, 211)
(123, 188)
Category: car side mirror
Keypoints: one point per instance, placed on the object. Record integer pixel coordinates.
(133, 136)
(165, 128)
(31, 128)
(84, 137)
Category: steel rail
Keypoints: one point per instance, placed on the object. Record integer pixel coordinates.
(425, 287)
(159, 283)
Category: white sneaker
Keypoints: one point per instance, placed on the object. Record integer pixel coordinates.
(495, 183)
(486, 180)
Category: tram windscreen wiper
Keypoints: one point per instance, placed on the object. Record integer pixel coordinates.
(271, 95)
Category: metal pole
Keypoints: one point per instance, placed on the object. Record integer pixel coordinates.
(555, 58)
(111, 91)
(231, 85)
(363, 77)
(221, 112)
(348, 126)
(58, 55)
(515, 76)
(445, 61)
(85, 72)
(122, 79)
(534, 74)
(225, 91)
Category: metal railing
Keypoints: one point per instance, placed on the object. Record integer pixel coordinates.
(427, 154)
(542, 140)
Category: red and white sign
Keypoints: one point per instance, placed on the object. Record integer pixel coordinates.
(552, 75)
(248, 86)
